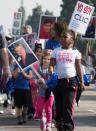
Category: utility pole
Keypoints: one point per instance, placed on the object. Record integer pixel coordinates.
(22, 10)
(22, 2)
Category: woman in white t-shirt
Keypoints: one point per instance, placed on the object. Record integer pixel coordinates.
(68, 63)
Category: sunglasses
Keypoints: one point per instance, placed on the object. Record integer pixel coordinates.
(64, 36)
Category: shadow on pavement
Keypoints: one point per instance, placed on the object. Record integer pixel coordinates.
(11, 121)
(86, 120)
(88, 97)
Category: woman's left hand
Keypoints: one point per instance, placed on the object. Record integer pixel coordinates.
(82, 86)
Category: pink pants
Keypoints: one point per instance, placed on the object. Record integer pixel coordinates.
(42, 104)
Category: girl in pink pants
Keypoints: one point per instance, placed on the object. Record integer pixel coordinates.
(43, 104)
(45, 98)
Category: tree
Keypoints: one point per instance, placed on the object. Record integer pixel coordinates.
(47, 12)
(34, 19)
(69, 5)
(67, 9)
(94, 4)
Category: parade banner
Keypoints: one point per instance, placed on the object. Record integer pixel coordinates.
(81, 17)
(91, 30)
(22, 53)
(17, 23)
(45, 26)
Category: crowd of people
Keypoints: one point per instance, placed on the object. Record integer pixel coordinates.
(33, 97)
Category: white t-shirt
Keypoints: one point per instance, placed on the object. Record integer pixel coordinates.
(65, 61)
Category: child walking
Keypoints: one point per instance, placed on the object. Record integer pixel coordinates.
(68, 64)
(33, 84)
(21, 93)
(38, 52)
(45, 99)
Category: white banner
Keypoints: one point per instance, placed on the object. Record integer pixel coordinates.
(81, 17)
(22, 53)
(17, 23)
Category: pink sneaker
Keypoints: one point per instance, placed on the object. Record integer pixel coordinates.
(48, 127)
(43, 124)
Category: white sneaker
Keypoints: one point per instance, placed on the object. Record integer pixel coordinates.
(52, 125)
(43, 124)
(13, 111)
(1, 112)
(48, 127)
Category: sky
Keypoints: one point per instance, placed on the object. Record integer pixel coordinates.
(8, 7)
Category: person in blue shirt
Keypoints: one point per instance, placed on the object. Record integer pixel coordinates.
(21, 93)
(51, 44)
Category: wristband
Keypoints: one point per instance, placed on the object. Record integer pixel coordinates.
(81, 81)
(6, 68)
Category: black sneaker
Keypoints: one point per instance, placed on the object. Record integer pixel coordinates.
(59, 127)
(19, 120)
(30, 116)
(24, 117)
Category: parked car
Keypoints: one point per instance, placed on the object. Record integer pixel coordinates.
(87, 75)
(87, 79)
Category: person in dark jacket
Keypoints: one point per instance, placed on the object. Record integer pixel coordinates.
(4, 62)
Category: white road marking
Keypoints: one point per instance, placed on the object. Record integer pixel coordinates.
(93, 111)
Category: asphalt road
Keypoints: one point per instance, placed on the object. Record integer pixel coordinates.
(84, 116)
